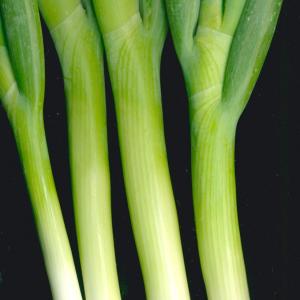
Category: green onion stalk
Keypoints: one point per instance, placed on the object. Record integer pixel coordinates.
(22, 82)
(134, 33)
(221, 46)
(78, 42)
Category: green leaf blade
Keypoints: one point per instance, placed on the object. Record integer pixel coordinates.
(248, 50)
(6, 75)
(183, 17)
(56, 12)
(113, 14)
(23, 40)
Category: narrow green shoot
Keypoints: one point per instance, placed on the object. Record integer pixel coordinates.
(22, 94)
(221, 46)
(134, 33)
(78, 43)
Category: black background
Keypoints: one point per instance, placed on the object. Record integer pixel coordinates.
(267, 170)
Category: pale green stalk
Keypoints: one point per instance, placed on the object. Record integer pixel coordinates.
(22, 94)
(78, 44)
(221, 46)
(133, 42)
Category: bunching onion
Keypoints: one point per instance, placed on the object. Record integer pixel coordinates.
(134, 33)
(221, 46)
(78, 43)
(22, 81)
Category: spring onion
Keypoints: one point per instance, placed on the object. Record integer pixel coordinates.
(78, 43)
(221, 46)
(133, 33)
(22, 93)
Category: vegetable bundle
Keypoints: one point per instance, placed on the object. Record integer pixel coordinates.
(221, 46)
